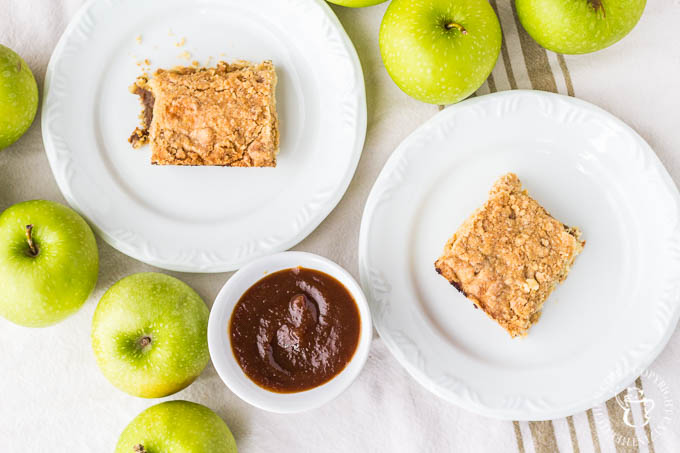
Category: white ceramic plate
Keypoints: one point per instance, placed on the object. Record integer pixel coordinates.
(600, 328)
(219, 339)
(203, 219)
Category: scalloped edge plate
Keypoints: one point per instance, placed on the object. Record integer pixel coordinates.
(600, 329)
(202, 219)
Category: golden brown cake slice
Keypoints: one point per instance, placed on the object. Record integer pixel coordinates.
(509, 255)
(210, 116)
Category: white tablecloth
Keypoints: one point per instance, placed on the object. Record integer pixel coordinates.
(54, 399)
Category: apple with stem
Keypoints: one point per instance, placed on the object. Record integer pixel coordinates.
(149, 335)
(578, 26)
(177, 427)
(48, 263)
(440, 51)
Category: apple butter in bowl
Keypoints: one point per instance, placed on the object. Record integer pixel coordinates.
(290, 332)
(294, 329)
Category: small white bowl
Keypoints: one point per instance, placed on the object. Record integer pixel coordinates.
(219, 340)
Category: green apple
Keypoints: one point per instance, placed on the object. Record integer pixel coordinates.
(177, 427)
(357, 3)
(48, 263)
(18, 97)
(149, 335)
(578, 26)
(440, 51)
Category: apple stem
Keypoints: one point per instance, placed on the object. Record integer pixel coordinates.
(139, 448)
(598, 6)
(29, 238)
(145, 341)
(459, 27)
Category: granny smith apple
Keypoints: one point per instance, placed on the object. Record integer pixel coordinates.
(149, 335)
(177, 427)
(48, 263)
(440, 51)
(18, 97)
(578, 26)
(357, 3)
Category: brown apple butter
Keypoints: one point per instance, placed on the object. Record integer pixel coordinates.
(294, 330)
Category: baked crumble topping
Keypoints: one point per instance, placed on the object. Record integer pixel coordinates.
(509, 255)
(224, 115)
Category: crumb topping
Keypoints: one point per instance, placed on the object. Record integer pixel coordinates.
(224, 115)
(509, 255)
